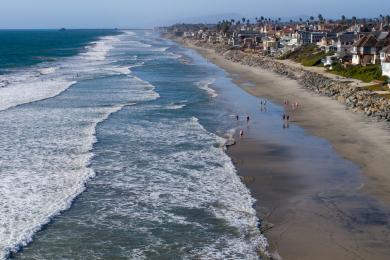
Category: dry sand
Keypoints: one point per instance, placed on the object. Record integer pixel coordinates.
(314, 218)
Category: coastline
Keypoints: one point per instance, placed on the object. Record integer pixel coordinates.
(356, 138)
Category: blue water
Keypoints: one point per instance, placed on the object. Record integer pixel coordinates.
(116, 152)
(23, 48)
(128, 146)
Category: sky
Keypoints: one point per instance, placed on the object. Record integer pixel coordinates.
(17, 14)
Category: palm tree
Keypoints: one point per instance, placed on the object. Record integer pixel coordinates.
(243, 20)
(343, 19)
(320, 18)
(311, 18)
(300, 19)
(354, 19)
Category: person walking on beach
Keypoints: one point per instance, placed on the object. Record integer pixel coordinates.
(241, 133)
(247, 119)
(237, 117)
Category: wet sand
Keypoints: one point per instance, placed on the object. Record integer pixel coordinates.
(311, 208)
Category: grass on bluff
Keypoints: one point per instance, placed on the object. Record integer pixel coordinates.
(363, 73)
(377, 88)
(308, 55)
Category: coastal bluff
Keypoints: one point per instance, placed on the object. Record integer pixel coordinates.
(346, 91)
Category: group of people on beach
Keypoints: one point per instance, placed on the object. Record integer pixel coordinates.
(286, 116)
(288, 106)
(247, 121)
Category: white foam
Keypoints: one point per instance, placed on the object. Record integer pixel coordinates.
(161, 49)
(138, 44)
(40, 186)
(46, 71)
(175, 106)
(45, 152)
(205, 85)
(51, 79)
(27, 92)
(122, 70)
(195, 177)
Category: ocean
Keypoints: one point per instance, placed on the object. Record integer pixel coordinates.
(112, 148)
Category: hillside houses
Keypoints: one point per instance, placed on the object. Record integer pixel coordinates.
(355, 42)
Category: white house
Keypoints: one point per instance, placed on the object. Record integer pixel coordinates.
(385, 61)
(345, 43)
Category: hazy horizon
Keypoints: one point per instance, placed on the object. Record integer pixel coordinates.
(42, 14)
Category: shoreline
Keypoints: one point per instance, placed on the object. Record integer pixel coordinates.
(354, 137)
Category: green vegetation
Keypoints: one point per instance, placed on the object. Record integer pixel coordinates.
(385, 96)
(376, 88)
(307, 55)
(363, 73)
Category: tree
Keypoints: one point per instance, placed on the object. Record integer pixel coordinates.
(300, 19)
(320, 18)
(354, 19)
(343, 19)
(243, 20)
(311, 18)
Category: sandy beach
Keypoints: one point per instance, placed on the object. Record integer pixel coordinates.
(310, 213)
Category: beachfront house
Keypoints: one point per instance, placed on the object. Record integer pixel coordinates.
(248, 39)
(310, 37)
(364, 51)
(385, 61)
(270, 45)
(327, 44)
(344, 43)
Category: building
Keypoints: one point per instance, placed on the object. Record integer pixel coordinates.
(385, 61)
(364, 51)
(270, 45)
(344, 43)
(249, 38)
(310, 37)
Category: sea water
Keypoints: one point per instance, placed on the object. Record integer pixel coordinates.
(114, 149)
